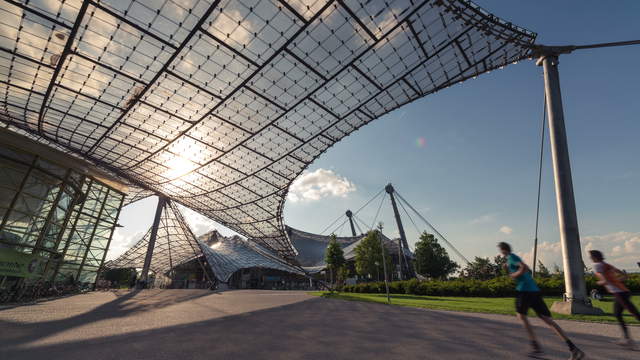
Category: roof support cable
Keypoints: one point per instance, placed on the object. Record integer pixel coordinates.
(338, 229)
(354, 213)
(433, 228)
(542, 134)
(410, 218)
(341, 228)
(373, 224)
(368, 202)
(330, 225)
(357, 223)
(404, 255)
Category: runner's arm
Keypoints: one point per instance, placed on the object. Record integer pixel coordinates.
(601, 279)
(522, 268)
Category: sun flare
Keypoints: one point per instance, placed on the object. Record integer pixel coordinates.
(177, 167)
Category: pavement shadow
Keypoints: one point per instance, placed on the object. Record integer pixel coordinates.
(320, 328)
(125, 303)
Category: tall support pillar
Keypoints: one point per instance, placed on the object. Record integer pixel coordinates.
(575, 299)
(144, 277)
(402, 242)
(350, 217)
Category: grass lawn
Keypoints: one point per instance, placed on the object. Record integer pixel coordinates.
(478, 304)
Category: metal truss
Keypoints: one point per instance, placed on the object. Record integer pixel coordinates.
(220, 105)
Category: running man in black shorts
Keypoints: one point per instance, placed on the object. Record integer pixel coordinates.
(529, 297)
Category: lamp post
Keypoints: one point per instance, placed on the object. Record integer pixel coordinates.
(384, 262)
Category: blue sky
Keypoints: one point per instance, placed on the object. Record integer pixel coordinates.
(477, 170)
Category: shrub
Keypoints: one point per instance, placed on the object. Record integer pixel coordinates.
(633, 282)
(502, 286)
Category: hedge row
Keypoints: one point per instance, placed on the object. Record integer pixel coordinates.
(498, 287)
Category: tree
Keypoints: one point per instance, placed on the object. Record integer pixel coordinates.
(369, 255)
(334, 257)
(482, 269)
(542, 271)
(343, 274)
(120, 276)
(500, 265)
(431, 259)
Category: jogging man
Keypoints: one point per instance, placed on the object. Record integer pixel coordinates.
(528, 296)
(612, 279)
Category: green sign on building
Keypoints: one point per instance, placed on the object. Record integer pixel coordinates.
(16, 263)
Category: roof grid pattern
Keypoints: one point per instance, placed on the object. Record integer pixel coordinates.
(219, 105)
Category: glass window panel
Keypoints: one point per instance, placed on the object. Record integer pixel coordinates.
(88, 276)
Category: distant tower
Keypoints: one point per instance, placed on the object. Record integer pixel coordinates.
(353, 228)
(402, 242)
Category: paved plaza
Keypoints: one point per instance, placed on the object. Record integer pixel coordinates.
(247, 324)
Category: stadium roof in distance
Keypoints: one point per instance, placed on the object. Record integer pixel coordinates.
(219, 105)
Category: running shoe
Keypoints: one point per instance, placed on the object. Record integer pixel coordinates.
(536, 352)
(627, 343)
(577, 354)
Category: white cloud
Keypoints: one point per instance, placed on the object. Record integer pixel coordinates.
(121, 242)
(621, 249)
(199, 224)
(506, 230)
(549, 253)
(484, 219)
(315, 185)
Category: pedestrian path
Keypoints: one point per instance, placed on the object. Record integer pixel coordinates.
(255, 324)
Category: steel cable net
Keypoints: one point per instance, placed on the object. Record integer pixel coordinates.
(175, 245)
(219, 105)
(137, 194)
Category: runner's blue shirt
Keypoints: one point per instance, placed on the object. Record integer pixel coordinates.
(525, 281)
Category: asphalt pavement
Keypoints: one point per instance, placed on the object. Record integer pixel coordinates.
(260, 324)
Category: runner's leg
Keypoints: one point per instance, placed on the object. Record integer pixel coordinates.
(522, 307)
(626, 302)
(527, 326)
(540, 307)
(556, 328)
(575, 352)
(618, 308)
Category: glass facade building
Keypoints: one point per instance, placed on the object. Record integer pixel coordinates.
(57, 215)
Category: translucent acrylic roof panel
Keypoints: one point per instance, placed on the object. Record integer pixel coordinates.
(230, 254)
(219, 105)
